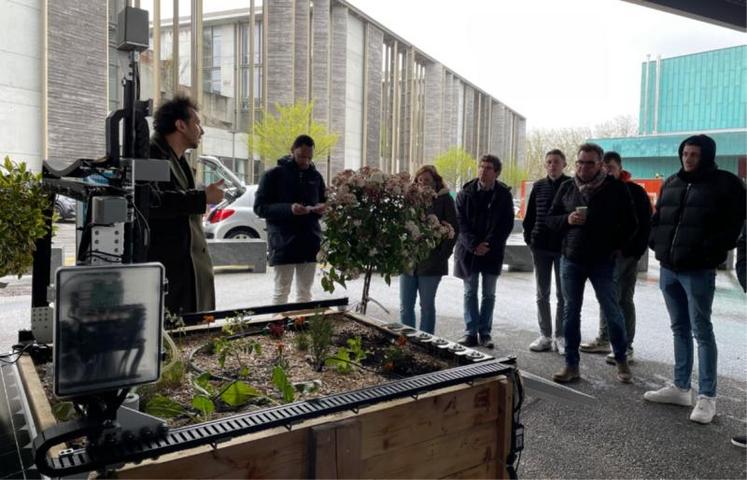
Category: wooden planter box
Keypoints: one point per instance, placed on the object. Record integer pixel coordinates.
(461, 431)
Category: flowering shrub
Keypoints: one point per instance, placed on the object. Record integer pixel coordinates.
(376, 222)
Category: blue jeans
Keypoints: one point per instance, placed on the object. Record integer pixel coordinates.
(479, 319)
(409, 287)
(574, 276)
(689, 297)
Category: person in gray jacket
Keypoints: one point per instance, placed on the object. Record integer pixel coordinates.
(427, 274)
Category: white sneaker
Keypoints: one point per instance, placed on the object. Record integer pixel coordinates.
(542, 344)
(558, 345)
(704, 409)
(670, 394)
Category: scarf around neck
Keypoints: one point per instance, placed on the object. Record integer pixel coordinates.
(588, 189)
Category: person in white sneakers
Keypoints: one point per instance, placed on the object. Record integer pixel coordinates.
(699, 215)
(545, 246)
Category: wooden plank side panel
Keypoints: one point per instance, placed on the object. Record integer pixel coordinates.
(505, 423)
(437, 457)
(390, 430)
(323, 451)
(283, 455)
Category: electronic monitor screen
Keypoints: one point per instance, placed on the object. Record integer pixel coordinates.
(107, 330)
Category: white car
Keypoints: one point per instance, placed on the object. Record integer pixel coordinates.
(234, 217)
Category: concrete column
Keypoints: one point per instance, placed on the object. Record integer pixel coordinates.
(279, 64)
(320, 67)
(374, 52)
(338, 69)
(521, 142)
(77, 79)
(470, 110)
(434, 111)
(21, 82)
(301, 53)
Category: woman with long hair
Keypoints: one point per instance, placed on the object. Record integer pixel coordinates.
(426, 276)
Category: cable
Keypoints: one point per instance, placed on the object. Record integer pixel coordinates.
(18, 354)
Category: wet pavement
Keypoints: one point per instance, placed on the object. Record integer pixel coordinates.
(620, 435)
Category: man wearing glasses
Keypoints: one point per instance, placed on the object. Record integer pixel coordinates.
(595, 216)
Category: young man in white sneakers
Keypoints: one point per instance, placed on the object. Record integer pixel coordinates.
(545, 246)
(699, 215)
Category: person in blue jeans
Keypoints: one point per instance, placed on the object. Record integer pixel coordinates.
(595, 216)
(485, 216)
(427, 275)
(698, 218)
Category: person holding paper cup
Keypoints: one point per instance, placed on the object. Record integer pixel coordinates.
(595, 217)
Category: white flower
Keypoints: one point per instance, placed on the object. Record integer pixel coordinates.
(357, 222)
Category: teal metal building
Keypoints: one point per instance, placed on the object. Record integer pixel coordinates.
(703, 92)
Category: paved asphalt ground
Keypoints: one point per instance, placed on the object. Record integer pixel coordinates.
(619, 436)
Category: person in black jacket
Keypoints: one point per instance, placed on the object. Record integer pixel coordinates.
(427, 274)
(626, 264)
(176, 209)
(291, 198)
(699, 214)
(485, 216)
(545, 246)
(594, 213)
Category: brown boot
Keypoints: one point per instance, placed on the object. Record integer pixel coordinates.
(624, 374)
(568, 374)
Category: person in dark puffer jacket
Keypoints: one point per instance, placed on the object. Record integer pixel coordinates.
(698, 218)
(595, 215)
(427, 275)
(545, 246)
(291, 197)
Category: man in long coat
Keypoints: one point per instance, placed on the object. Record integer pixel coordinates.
(177, 239)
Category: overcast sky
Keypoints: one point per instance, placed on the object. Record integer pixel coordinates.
(559, 63)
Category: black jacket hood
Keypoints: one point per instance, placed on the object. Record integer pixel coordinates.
(707, 152)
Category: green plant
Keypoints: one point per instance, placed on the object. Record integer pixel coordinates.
(376, 222)
(320, 333)
(22, 220)
(348, 356)
(272, 136)
(301, 341)
(164, 407)
(236, 348)
(238, 323)
(456, 166)
(280, 380)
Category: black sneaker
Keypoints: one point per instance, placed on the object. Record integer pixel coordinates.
(486, 341)
(739, 441)
(468, 341)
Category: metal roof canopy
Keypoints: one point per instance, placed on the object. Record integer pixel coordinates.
(726, 13)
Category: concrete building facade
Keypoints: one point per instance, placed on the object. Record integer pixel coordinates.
(392, 105)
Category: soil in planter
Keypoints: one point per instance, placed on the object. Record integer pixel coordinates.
(386, 359)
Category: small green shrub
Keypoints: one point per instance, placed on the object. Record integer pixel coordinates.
(22, 219)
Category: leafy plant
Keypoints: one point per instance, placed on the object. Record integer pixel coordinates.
(235, 348)
(203, 404)
(301, 341)
(276, 329)
(238, 323)
(63, 411)
(348, 356)
(172, 377)
(456, 166)
(320, 333)
(396, 357)
(376, 222)
(238, 393)
(280, 380)
(164, 407)
(22, 221)
(272, 136)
